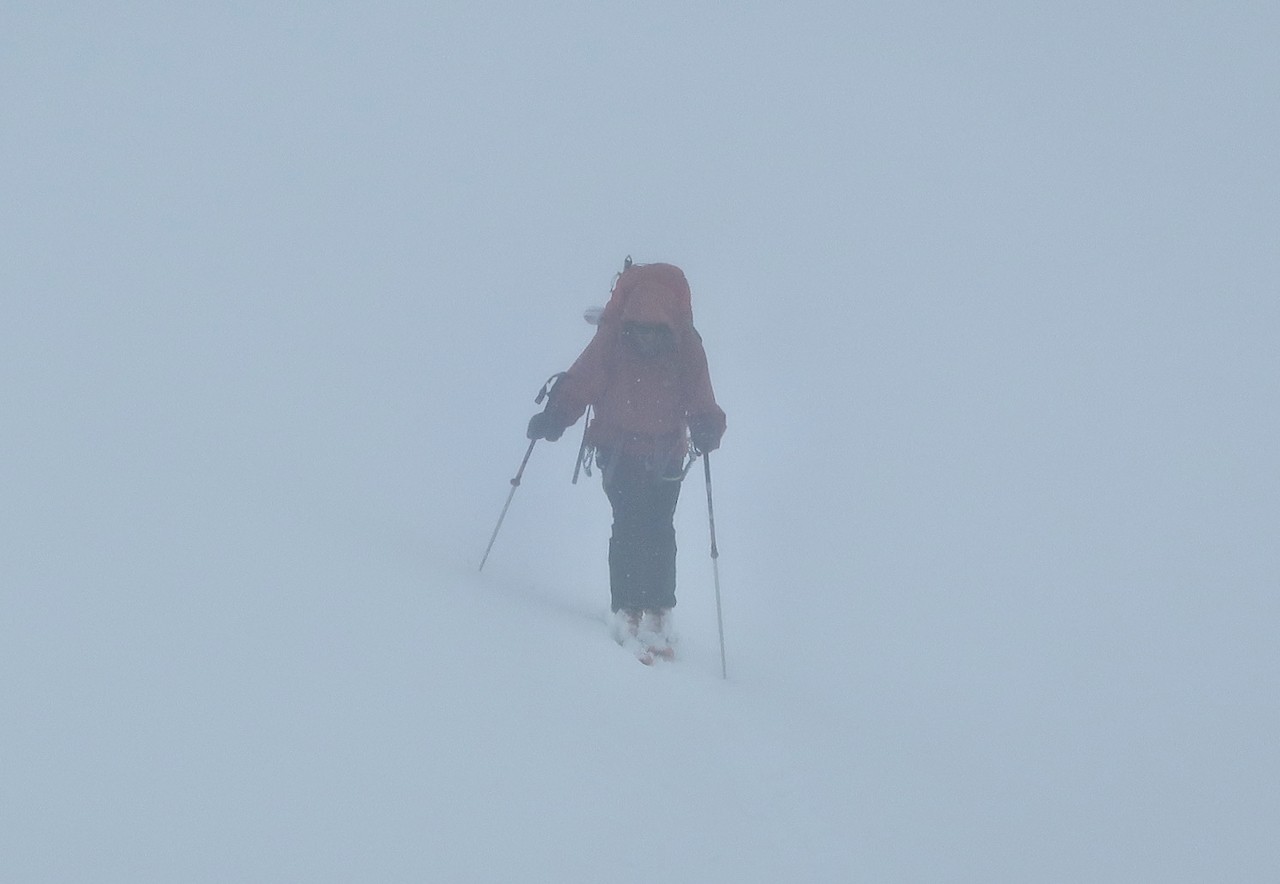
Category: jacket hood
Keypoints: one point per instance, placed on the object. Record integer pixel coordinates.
(654, 303)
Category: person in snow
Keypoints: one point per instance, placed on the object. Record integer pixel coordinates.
(645, 376)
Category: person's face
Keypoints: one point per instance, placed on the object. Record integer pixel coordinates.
(648, 339)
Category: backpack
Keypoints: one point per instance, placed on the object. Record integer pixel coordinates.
(652, 293)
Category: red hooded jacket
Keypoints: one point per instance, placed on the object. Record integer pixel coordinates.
(642, 405)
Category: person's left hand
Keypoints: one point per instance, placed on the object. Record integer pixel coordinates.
(704, 434)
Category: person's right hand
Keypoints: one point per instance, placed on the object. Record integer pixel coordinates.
(543, 425)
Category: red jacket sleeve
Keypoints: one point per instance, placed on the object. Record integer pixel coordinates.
(582, 384)
(700, 398)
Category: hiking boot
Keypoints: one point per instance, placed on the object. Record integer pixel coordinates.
(626, 625)
(656, 631)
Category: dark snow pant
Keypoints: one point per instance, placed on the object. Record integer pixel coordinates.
(642, 550)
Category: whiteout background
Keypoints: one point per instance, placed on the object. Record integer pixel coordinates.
(989, 294)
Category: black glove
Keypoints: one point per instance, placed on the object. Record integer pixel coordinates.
(705, 435)
(544, 425)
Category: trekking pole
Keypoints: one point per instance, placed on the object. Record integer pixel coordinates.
(715, 561)
(515, 483)
(582, 449)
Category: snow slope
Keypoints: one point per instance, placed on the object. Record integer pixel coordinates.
(294, 693)
(988, 295)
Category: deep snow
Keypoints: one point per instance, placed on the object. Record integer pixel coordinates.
(989, 297)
